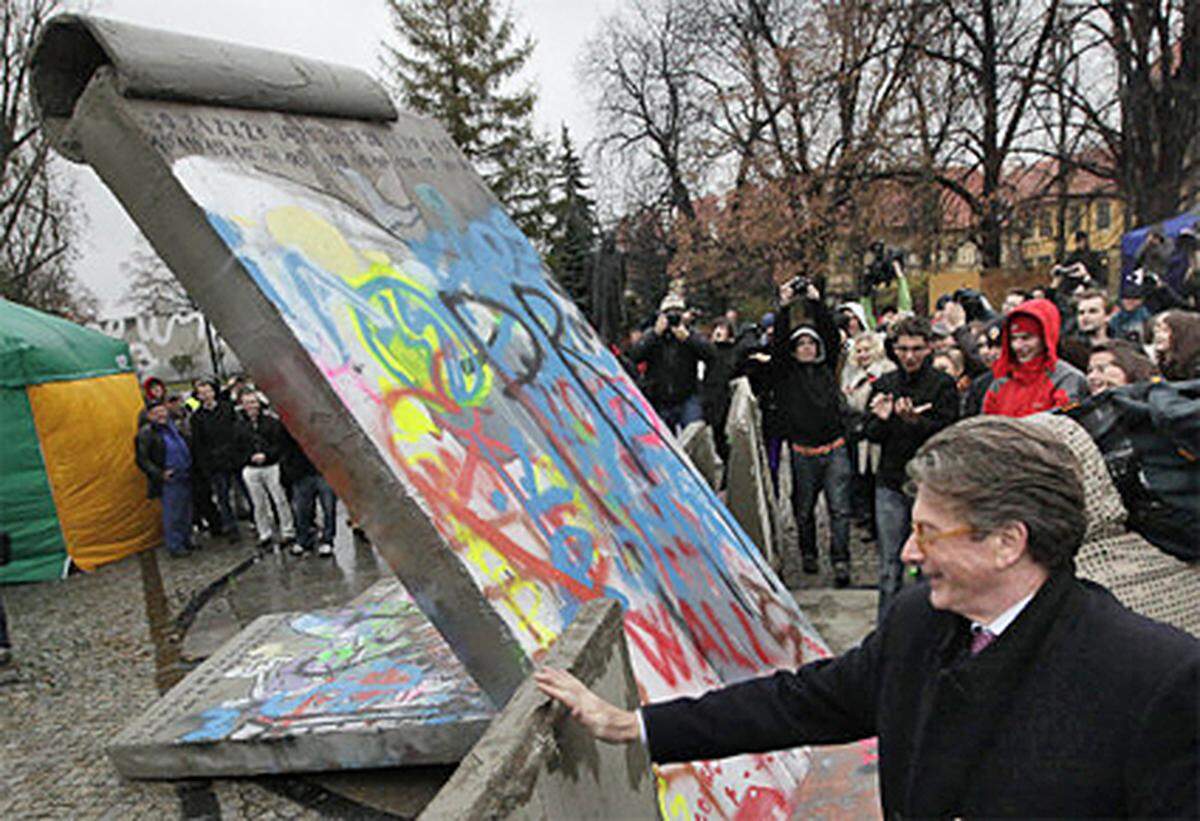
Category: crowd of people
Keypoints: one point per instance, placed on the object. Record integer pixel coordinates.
(850, 394)
(220, 455)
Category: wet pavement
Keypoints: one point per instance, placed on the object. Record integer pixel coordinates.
(93, 652)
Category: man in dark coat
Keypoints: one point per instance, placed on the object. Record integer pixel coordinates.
(907, 406)
(803, 370)
(1007, 687)
(163, 455)
(214, 430)
(673, 352)
(260, 439)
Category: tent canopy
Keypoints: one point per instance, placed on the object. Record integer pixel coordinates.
(69, 487)
(37, 347)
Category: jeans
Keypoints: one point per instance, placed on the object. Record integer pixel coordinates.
(177, 514)
(680, 416)
(893, 517)
(305, 493)
(265, 489)
(810, 475)
(221, 483)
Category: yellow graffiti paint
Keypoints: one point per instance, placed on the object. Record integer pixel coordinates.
(521, 598)
(315, 238)
(678, 808)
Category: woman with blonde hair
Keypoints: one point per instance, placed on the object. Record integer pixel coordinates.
(867, 361)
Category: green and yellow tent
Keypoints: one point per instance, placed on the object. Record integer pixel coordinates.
(70, 491)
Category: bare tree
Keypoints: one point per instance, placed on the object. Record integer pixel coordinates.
(1141, 113)
(37, 220)
(152, 288)
(994, 51)
(645, 64)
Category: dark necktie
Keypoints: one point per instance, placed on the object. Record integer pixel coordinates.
(980, 639)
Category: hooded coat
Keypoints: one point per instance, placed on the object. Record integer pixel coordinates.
(1043, 383)
(809, 400)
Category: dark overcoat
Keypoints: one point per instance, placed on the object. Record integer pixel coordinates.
(1081, 708)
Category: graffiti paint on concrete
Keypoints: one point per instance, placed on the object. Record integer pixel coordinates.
(373, 668)
(172, 347)
(538, 461)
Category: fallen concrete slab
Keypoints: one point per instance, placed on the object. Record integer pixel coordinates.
(368, 685)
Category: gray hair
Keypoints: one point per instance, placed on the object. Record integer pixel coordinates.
(996, 470)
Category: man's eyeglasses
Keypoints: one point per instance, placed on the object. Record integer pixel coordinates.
(924, 538)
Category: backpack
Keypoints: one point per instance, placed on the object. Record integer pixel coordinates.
(1149, 436)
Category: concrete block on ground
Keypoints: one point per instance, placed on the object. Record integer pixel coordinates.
(698, 445)
(372, 684)
(748, 480)
(536, 762)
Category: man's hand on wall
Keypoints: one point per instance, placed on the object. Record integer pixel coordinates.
(603, 720)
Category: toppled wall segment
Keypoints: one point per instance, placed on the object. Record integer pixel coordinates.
(486, 439)
(535, 762)
(371, 684)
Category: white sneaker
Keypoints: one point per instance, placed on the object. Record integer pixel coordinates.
(297, 549)
(325, 550)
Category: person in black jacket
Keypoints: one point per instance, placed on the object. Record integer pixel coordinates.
(729, 354)
(308, 488)
(162, 453)
(1005, 687)
(672, 352)
(259, 442)
(803, 370)
(907, 406)
(214, 429)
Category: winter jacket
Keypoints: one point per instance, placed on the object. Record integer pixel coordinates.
(265, 435)
(150, 453)
(808, 398)
(901, 439)
(1046, 382)
(672, 374)
(214, 431)
(725, 366)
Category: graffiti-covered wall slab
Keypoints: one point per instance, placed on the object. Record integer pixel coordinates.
(488, 442)
(369, 685)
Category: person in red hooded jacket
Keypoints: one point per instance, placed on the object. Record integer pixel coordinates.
(1029, 376)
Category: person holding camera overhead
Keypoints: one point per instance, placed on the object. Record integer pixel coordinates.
(803, 371)
(672, 352)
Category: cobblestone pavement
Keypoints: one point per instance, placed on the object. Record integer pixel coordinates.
(85, 666)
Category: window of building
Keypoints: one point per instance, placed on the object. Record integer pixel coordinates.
(1045, 223)
(1103, 215)
(1075, 218)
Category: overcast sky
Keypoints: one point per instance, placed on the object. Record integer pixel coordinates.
(340, 31)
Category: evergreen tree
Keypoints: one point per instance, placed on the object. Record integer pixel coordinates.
(573, 231)
(455, 63)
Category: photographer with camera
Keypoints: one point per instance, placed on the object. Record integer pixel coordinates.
(803, 370)
(1086, 263)
(672, 352)
(885, 266)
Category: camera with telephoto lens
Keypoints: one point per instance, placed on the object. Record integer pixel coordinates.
(674, 319)
(882, 270)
